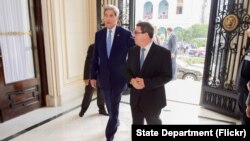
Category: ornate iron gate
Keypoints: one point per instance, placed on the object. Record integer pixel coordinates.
(126, 7)
(226, 43)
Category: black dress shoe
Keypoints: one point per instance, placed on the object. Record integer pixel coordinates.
(103, 112)
(81, 113)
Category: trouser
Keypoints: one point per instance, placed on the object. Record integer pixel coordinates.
(152, 116)
(112, 100)
(89, 90)
(173, 67)
(242, 107)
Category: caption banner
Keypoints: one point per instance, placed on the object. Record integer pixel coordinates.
(180, 132)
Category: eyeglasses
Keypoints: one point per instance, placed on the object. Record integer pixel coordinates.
(137, 32)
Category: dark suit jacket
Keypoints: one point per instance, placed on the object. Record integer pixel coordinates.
(243, 75)
(111, 70)
(156, 71)
(88, 62)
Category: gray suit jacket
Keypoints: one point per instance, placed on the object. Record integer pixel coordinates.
(171, 45)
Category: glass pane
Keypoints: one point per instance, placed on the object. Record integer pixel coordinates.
(15, 40)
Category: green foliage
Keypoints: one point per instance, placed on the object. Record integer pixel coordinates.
(199, 30)
(183, 35)
(200, 42)
(196, 34)
(192, 60)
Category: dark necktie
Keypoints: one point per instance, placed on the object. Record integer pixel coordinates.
(108, 42)
(142, 57)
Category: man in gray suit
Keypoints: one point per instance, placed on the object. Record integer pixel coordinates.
(171, 45)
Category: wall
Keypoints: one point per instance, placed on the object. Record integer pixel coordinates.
(191, 13)
(68, 31)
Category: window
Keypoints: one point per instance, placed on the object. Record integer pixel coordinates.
(179, 8)
(148, 10)
(163, 10)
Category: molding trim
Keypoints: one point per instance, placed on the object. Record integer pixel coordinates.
(49, 49)
(63, 83)
(92, 20)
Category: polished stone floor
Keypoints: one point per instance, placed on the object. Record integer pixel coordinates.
(64, 124)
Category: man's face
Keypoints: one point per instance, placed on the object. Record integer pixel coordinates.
(168, 32)
(110, 19)
(139, 36)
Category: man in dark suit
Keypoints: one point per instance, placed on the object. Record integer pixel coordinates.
(111, 47)
(147, 78)
(243, 78)
(171, 45)
(89, 90)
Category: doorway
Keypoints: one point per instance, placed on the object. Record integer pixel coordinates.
(23, 82)
(191, 31)
(205, 41)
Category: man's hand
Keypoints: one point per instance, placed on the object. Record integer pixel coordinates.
(93, 83)
(248, 111)
(137, 83)
(248, 86)
(86, 81)
(248, 106)
(140, 81)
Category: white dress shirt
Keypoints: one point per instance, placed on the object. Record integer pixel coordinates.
(147, 48)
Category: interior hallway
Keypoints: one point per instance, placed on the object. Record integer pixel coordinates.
(64, 124)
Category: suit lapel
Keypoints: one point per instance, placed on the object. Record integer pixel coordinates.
(115, 40)
(104, 34)
(137, 59)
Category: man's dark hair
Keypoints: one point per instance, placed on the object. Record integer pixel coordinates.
(170, 29)
(146, 28)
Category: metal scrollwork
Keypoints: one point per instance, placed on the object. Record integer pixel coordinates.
(226, 44)
(231, 21)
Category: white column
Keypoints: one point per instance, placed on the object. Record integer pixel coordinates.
(68, 31)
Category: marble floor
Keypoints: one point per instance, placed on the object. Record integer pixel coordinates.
(64, 124)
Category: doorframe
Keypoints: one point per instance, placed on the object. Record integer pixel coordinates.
(222, 97)
(41, 49)
(23, 96)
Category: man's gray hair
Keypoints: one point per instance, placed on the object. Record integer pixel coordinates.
(112, 7)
